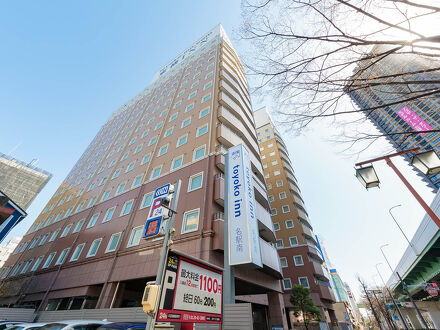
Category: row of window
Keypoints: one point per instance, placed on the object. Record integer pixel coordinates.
(298, 260)
(287, 282)
(284, 209)
(190, 223)
(288, 223)
(195, 182)
(293, 241)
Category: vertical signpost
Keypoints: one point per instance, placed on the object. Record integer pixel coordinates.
(242, 240)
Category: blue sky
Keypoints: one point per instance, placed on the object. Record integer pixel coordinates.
(66, 66)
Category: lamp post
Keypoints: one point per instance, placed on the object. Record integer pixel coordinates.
(392, 298)
(409, 242)
(381, 250)
(427, 162)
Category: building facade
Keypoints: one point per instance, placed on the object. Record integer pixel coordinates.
(6, 250)
(21, 181)
(397, 103)
(85, 249)
(300, 257)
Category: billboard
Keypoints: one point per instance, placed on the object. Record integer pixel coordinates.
(413, 120)
(191, 292)
(243, 235)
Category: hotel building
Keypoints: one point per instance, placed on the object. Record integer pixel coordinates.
(300, 257)
(85, 248)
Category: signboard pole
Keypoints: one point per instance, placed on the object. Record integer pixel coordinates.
(228, 273)
(165, 248)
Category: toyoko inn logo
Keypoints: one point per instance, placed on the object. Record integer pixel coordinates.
(235, 155)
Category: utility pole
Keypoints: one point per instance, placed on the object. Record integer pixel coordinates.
(384, 313)
(165, 248)
(405, 287)
(371, 304)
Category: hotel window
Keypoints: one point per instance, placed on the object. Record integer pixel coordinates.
(199, 152)
(182, 140)
(177, 162)
(135, 236)
(207, 85)
(293, 241)
(105, 195)
(196, 75)
(286, 209)
(263, 157)
(58, 217)
(270, 145)
(116, 174)
(112, 163)
(109, 214)
(282, 195)
(276, 226)
(273, 211)
(126, 208)
(195, 182)
(94, 248)
(177, 104)
(268, 186)
(92, 221)
(283, 262)
(287, 284)
(280, 243)
(192, 95)
(8, 269)
(146, 201)
(124, 157)
(266, 176)
(289, 224)
(277, 172)
(113, 242)
(152, 141)
(158, 126)
(186, 122)
(264, 165)
(156, 172)
(34, 242)
(304, 281)
(49, 220)
(16, 269)
(209, 67)
(130, 167)
(43, 239)
(275, 162)
(146, 159)
(91, 187)
(163, 150)
(163, 113)
(103, 180)
(138, 149)
(168, 132)
(62, 257)
(209, 75)
(49, 259)
(202, 130)
(54, 235)
(120, 189)
(279, 183)
(203, 112)
(91, 202)
(180, 93)
(145, 134)
(174, 116)
(137, 181)
(272, 153)
(298, 260)
(66, 230)
(77, 252)
(37, 263)
(206, 97)
(271, 198)
(78, 226)
(195, 85)
(190, 221)
(131, 142)
(189, 107)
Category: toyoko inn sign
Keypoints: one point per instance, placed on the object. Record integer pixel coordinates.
(243, 236)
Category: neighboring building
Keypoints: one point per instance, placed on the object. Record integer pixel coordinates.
(21, 181)
(341, 295)
(420, 114)
(299, 254)
(10, 215)
(6, 250)
(85, 248)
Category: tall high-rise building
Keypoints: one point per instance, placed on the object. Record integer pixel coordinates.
(398, 106)
(85, 248)
(21, 181)
(299, 254)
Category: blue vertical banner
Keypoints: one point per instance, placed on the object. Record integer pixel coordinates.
(243, 235)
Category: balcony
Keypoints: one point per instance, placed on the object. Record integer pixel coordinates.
(260, 192)
(270, 258)
(234, 90)
(219, 189)
(265, 224)
(295, 188)
(233, 80)
(226, 66)
(220, 162)
(218, 227)
(326, 293)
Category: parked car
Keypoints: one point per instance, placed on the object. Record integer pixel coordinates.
(74, 325)
(7, 324)
(123, 326)
(26, 326)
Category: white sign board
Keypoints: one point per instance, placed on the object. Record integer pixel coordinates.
(243, 236)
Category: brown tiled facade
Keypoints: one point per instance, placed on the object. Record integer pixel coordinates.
(300, 258)
(84, 250)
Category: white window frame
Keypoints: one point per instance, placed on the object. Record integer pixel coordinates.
(90, 249)
(107, 212)
(279, 246)
(154, 169)
(290, 281)
(79, 226)
(144, 198)
(125, 205)
(286, 262)
(201, 115)
(288, 209)
(183, 136)
(276, 226)
(183, 221)
(132, 234)
(81, 247)
(175, 159)
(66, 230)
(134, 185)
(164, 147)
(189, 182)
(201, 127)
(197, 149)
(299, 263)
(37, 263)
(62, 257)
(283, 193)
(290, 241)
(306, 278)
(89, 224)
(107, 249)
(183, 121)
(288, 221)
(54, 235)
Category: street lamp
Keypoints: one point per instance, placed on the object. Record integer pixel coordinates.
(423, 161)
(409, 242)
(367, 176)
(427, 162)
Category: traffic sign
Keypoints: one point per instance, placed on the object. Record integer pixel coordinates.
(156, 214)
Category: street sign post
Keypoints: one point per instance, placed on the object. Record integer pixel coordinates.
(157, 212)
(191, 292)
